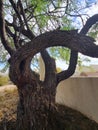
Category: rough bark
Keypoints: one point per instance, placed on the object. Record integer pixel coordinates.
(69, 39)
(36, 106)
(71, 69)
(37, 99)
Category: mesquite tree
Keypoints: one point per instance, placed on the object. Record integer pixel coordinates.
(37, 98)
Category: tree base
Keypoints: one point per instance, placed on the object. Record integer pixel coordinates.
(63, 118)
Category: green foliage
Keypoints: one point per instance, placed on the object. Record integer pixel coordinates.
(65, 54)
(67, 23)
(94, 31)
(60, 53)
(42, 21)
(4, 80)
(40, 5)
(93, 34)
(40, 13)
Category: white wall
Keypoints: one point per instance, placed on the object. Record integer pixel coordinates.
(79, 93)
(42, 69)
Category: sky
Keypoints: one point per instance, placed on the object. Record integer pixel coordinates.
(93, 9)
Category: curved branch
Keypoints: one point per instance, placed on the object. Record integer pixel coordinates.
(76, 42)
(3, 32)
(70, 39)
(71, 69)
(74, 55)
(91, 21)
(50, 67)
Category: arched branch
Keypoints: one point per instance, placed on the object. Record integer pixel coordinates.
(74, 55)
(91, 21)
(74, 41)
(71, 69)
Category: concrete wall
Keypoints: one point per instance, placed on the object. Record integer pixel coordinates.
(79, 93)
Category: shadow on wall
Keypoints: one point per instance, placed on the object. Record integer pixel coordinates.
(79, 93)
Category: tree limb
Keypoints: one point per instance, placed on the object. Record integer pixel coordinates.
(27, 33)
(50, 67)
(71, 69)
(91, 21)
(23, 13)
(3, 32)
(74, 55)
(16, 11)
(70, 39)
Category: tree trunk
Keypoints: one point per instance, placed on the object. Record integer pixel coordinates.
(36, 105)
(34, 108)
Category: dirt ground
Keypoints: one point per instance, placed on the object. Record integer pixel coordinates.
(69, 118)
(8, 102)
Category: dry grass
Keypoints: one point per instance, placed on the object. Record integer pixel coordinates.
(4, 80)
(67, 118)
(8, 102)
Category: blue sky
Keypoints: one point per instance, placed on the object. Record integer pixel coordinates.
(90, 1)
